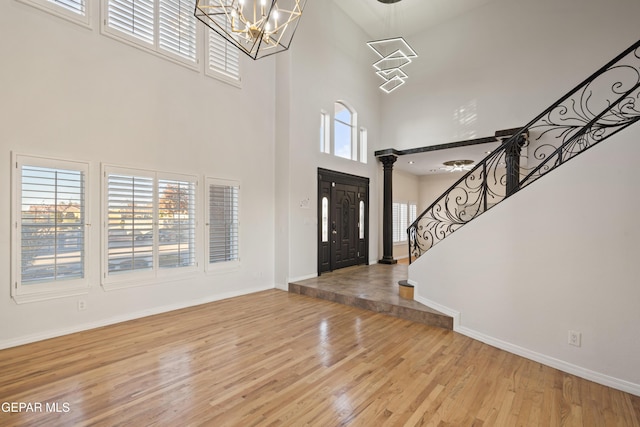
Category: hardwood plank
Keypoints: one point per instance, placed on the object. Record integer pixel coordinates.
(280, 359)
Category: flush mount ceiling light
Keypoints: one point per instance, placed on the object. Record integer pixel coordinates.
(388, 1)
(457, 165)
(394, 53)
(257, 27)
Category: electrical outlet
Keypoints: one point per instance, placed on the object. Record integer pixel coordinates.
(82, 305)
(575, 338)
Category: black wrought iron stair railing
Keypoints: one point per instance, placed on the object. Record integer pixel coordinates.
(598, 108)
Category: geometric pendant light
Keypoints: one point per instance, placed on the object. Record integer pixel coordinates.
(393, 55)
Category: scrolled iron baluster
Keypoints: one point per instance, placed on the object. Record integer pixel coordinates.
(592, 112)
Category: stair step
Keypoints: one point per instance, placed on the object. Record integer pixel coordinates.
(371, 288)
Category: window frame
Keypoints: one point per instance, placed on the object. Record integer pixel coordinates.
(328, 134)
(23, 293)
(156, 274)
(325, 132)
(362, 145)
(154, 47)
(218, 74)
(211, 267)
(56, 9)
(399, 233)
(353, 126)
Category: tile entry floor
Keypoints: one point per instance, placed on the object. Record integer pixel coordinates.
(371, 287)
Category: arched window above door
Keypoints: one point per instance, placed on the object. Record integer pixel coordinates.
(344, 139)
(345, 143)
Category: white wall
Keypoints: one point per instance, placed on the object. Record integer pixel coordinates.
(556, 256)
(329, 62)
(433, 186)
(522, 277)
(500, 65)
(72, 93)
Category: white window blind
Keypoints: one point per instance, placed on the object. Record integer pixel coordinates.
(223, 222)
(49, 242)
(177, 225)
(164, 27)
(134, 18)
(400, 219)
(413, 213)
(395, 220)
(150, 225)
(77, 6)
(52, 219)
(177, 28)
(72, 10)
(223, 57)
(129, 223)
(403, 222)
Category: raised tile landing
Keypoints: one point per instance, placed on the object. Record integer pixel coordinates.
(375, 288)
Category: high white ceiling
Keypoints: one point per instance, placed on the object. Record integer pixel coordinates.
(406, 17)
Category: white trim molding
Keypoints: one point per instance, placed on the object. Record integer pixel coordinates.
(546, 360)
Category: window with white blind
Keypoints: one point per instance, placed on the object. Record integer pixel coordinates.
(223, 59)
(176, 226)
(403, 215)
(150, 224)
(72, 10)
(166, 27)
(413, 213)
(49, 238)
(223, 221)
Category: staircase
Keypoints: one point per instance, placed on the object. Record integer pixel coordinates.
(598, 108)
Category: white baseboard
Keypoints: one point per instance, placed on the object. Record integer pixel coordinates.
(124, 318)
(282, 286)
(561, 365)
(300, 278)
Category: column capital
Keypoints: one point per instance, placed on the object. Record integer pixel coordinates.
(388, 160)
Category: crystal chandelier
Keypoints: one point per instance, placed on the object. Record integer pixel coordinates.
(257, 27)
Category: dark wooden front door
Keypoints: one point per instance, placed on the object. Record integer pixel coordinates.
(343, 220)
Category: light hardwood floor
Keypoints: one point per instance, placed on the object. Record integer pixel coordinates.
(280, 359)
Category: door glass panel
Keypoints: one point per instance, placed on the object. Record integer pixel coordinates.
(325, 219)
(361, 220)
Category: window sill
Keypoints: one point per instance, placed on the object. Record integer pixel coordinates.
(223, 267)
(61, 12)
(224, 78)
(45, 296)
